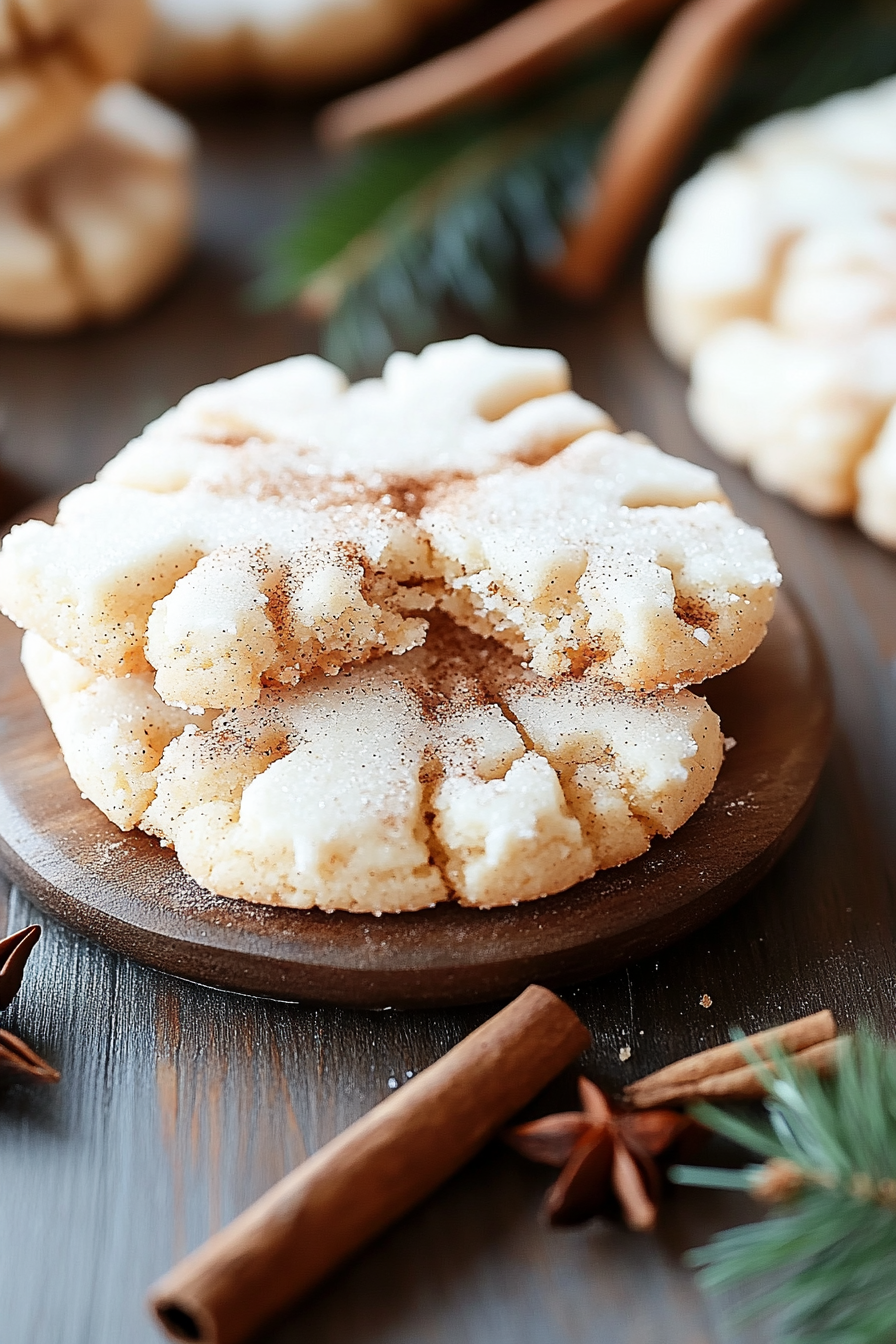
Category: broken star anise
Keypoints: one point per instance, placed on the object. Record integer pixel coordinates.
(607, 1156)
(17, 1058)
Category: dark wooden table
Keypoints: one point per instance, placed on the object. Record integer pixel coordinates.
(179, 1105)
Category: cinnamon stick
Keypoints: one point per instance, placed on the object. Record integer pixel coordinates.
(679, 83)
(697, 1075)
(368, 1176)
(495, 65)
(746, 1084)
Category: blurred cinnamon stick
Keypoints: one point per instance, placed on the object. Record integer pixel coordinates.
(368, 1176)
(496, 65)
(746, 1084)
(723, 1071)
(691, 64)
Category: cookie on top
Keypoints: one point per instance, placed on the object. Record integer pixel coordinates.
(251, 540)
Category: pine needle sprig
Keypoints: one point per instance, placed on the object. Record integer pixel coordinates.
(824, 1266)
(459, 246)
(417, 223)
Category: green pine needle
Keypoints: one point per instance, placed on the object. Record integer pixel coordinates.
(461, 243)
(353, 202)
(415, 225)
(824, 1267)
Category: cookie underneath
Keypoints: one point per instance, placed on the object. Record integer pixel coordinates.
(448, 772)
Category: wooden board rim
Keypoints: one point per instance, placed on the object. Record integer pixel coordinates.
(129, 894)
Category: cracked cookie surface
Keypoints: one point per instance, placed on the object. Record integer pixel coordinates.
(282, 524)
(611, 559)
(449, 772)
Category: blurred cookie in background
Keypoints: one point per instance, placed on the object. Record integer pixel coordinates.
(206, 45)
(773, 279)
(55, 56)
(90, 235)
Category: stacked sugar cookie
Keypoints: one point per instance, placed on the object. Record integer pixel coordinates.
(774, 278)
(374, 647)
(95, 182)
(199, 45)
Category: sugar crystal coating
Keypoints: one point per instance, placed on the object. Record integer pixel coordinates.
(112, 730)
(449, 772)
(264, 634)
(611, 558)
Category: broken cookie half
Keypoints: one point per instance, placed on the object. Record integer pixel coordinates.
(283, 525)
(449, 772)
(612, 559)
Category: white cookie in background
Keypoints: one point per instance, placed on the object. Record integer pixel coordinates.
(92, 234)
(281, 524)
(837, 283)
(800, 412)
(728, 230)
(55, 56)
(727, 239)
(308, 44)
(393, 786)
(774, 278)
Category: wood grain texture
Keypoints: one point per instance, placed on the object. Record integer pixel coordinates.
(178, 1105)
(132, 895)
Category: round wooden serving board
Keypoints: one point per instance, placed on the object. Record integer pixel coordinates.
(131, 895)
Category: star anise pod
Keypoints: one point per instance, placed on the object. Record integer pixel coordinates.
(14, 952)
(607, 1157)
(16, 1058)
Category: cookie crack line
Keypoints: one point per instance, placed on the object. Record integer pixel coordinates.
(566, 775)
(317, 700)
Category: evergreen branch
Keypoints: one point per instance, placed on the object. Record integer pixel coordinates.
(831, 1253)
(351, 204)
(417, 224)
(460, 247)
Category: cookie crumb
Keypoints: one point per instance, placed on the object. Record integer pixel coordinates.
(705, 1001)
(625, 1054)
